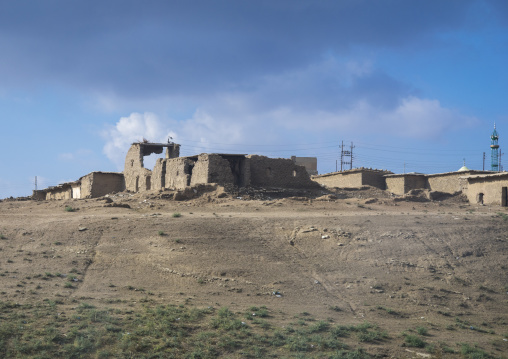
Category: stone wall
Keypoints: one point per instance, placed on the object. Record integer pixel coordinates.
(277, 172)
(488, 189)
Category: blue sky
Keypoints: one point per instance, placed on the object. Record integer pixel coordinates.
(411, 83)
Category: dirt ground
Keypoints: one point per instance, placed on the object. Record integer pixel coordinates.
(351, 257)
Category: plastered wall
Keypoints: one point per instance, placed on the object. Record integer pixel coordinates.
(492, 189)
(353, 179)
(340, 180)
(404, 183)
(395, 185)
(449, 182)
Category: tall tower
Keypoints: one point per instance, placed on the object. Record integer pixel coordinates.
(494, 151)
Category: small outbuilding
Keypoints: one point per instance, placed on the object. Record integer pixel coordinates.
(487, 189)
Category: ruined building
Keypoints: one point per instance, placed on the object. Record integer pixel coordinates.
(237, 170)
(175, 172)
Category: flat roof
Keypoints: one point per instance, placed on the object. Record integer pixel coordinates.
(438, 174)
(171, 144)
(354, 170)
(487, 176)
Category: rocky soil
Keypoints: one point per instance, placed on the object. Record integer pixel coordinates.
(346, 257)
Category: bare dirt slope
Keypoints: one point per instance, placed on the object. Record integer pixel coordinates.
(398, 264)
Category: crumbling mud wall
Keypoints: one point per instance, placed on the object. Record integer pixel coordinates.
(39, 195)
(488, 189)
(278, 172)
(218, 170)
(174, 173)
(137, 177)
(98, 184)
(310, 164)
(63, 191)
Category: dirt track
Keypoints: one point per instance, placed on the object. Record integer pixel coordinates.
(397, 264)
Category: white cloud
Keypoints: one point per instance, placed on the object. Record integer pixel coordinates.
(325, 101)
(79, 154)
(413, 118)
(202, 131)
(133, 128)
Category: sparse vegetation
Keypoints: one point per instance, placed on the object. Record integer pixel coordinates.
(422, 331)
(149, 331)
(441, 279)
(176, 215)
(69, 209)
(413, 341)
(473, 352)
(2, 236)
(502, 215)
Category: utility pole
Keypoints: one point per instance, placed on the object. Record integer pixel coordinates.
(484, 161)
(36, 183)
(344, 154)
(351, 166)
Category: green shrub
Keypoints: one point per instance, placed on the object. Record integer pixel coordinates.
(176, 215)
(422, 331)
(69, 209)
(473, 352)
(414, 341)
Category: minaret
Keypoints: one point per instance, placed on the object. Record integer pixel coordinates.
(494, 151)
